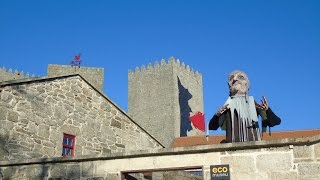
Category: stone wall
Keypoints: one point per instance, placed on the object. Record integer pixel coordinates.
(7, 75)
(95, 76)
(165, 175)
(35, 113)
(161, 95)
(272, 160)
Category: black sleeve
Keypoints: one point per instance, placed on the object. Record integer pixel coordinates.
(214, 123)
(272, 119)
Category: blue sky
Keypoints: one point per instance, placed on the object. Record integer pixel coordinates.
(277, 43)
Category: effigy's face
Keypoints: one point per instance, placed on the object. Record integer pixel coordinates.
(238, 83)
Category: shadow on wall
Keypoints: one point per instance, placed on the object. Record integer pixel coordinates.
(170, 174)
(3, 150)
(185, 109)
(15, 147)
(41, 170)
(10, 147)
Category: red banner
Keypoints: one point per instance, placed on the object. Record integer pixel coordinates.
(198, 121)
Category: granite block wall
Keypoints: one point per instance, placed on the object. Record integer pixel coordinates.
(270, 160)
(95, 76)
(34, 115)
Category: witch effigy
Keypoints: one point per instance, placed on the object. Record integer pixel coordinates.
(239, 114)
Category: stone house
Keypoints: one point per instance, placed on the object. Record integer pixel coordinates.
(36, 113)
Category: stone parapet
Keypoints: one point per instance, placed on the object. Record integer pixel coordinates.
(7, 75)
(250, 160)
(172, 62)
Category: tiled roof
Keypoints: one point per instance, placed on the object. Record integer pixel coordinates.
(217, 139)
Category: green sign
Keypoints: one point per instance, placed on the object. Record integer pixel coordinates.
(220, 172)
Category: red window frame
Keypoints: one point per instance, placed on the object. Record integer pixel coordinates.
(68, 138)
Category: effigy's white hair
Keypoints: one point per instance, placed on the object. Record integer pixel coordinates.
(239, 71)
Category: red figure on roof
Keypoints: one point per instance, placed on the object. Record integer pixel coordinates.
(76, 60)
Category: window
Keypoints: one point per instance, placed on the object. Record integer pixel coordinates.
(68, 144)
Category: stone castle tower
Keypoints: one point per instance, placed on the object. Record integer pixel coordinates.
(93, 75)
(163, 97)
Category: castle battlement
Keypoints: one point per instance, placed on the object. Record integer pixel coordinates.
(172, 62)
(7, 75)
(162, 96)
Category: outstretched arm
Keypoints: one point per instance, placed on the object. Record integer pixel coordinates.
(214, 122)
(264, 104)
(270, 119)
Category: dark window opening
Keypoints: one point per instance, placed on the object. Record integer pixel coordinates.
(68, 144)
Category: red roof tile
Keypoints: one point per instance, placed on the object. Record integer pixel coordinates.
(216, 139)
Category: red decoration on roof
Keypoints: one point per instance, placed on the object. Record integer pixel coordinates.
(76, 60)
(77, 57)
(198, 121)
